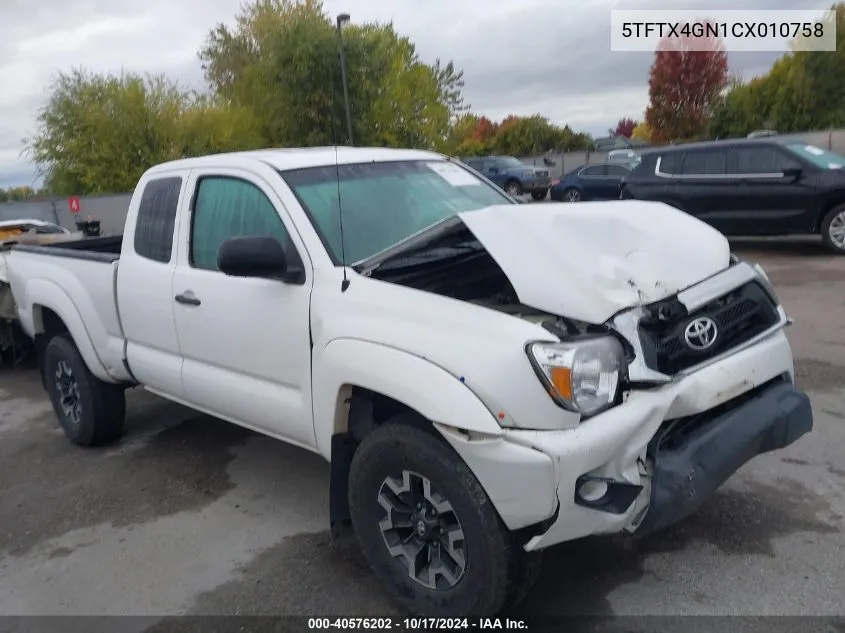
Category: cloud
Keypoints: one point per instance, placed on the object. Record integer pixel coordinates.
(518, 56)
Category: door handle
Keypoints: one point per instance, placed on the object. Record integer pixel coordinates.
(187, 299)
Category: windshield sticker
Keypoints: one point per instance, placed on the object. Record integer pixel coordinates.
(815, 151)
(453, 174)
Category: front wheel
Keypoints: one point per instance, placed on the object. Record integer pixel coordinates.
(428, 529)
(91, 412)
(833, 229)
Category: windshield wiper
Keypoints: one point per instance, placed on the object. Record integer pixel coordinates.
(429, 255)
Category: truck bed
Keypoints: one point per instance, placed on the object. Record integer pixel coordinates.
(101, 249)
(77, 279)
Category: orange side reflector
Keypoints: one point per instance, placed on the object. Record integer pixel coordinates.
(561, 378)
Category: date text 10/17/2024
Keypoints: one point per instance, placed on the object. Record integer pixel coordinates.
(418, 624)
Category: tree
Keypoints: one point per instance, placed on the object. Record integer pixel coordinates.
(98, 133)
(641, 132)
(802, 91)
(280, 60)
(625, 127)
(685, 83)
(451, 84)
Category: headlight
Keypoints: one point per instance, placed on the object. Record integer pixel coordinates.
(582, 376)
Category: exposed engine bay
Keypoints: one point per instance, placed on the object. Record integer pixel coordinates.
(459, 267)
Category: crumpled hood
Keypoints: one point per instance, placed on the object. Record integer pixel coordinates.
(588, 261)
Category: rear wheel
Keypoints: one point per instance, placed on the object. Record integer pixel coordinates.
(513, 188)
(833, 229)
(428, 529)
(571, 195)
(91, 412)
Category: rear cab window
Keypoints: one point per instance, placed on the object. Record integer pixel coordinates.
(156, 220)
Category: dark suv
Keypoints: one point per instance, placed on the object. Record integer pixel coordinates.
(749, 187)
(512, 175)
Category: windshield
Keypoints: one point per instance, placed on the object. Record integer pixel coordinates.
(819, 157)
(508, 162)
(384, 203)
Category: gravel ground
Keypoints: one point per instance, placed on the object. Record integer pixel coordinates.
(190, 515)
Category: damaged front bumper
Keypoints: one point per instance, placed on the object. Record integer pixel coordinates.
(631, 468)
(689, 469)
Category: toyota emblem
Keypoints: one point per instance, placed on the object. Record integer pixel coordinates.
(701, 333)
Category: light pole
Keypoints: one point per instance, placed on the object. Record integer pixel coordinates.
(342, 19)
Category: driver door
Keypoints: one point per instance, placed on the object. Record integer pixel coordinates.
(245, 341)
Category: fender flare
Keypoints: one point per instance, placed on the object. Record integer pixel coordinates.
(398, 375)
(40, 293)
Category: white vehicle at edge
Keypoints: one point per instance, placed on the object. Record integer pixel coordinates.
(487, 379)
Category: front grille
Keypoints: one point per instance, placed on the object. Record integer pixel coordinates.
(739, 316)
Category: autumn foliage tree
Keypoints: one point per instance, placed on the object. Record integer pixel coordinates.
(625, 127)
(684, 86)
(473, 135)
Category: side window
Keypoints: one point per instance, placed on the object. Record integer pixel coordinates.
(671, 163)
(157, 219)
(230, 207)
(760, 160)
(617, 171)
(705, 163)
(596, 170)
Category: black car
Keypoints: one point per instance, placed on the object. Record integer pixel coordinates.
(590, 182)
(749, 187)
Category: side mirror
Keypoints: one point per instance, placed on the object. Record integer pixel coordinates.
(256, 256)
(793, 173)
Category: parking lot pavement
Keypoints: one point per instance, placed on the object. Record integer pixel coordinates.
(192, 515)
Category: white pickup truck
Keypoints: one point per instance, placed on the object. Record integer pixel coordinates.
(487, 379)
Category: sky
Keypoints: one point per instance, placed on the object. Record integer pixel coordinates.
(548, 57)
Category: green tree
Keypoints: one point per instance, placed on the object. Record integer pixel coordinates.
(98, 133)
(802, 91)
(280, 60)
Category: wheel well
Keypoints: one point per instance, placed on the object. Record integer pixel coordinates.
(359, 412)
(825, 210)
(47, 325)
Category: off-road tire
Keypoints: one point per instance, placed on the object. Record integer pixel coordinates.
(825, 230)
(495, 573)
(102, 404)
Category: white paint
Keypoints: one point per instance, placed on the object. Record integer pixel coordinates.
(588, 261)
(276, 358)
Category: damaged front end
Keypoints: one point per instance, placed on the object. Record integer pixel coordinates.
(691, 457)
(692, 454)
